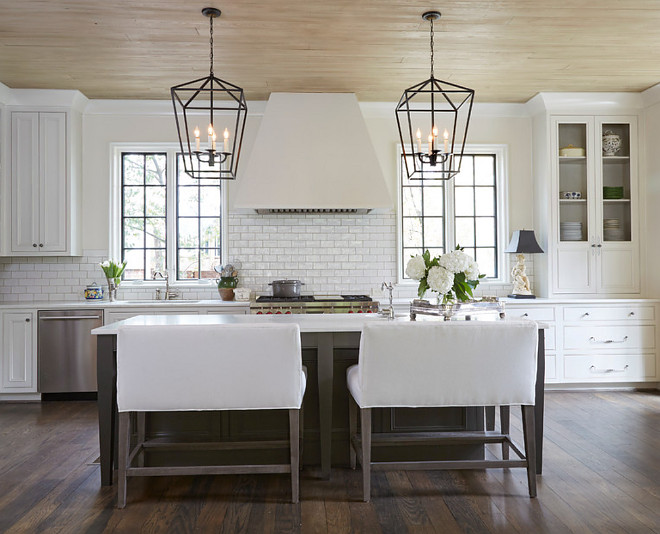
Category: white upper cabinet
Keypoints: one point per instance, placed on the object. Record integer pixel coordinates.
(43, 184)
(593, 234)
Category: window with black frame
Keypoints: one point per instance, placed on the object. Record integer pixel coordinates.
(169, 221)
(438, 215)
(144, 214)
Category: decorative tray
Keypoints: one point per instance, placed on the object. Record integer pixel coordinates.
(466, 310)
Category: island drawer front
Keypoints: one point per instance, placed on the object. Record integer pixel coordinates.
(609, 337)
(618, 313)
(533, 313)
(609, 367)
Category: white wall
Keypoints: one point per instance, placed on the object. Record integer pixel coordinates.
(651, 244)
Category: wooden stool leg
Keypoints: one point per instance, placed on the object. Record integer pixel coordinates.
(301, 441)
(505, 418)
(530, 447)
(365, 428)
(141, 436)
(124, 450)
(294, 445)
(490, 417)
(352, 429)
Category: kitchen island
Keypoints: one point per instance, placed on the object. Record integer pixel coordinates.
(330, 344)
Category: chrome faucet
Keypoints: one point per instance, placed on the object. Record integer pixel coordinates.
(388, 312)
(170, 294)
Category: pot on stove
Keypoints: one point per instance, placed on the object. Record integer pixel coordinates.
(286, 288)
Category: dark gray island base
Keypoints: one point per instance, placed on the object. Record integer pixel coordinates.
(326, 355)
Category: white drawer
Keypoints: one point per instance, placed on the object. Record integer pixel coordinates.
(588, 337)
(612, 313)
(532, 312)
(550, 366)
(610, 367)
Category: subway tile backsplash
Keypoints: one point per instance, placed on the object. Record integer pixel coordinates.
(331, 254)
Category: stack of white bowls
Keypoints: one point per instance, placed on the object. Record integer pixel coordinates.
(570, 231)
(612, 230)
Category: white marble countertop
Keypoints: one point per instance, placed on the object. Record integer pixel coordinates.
(338, 322)
(540, 301)
(106, 304)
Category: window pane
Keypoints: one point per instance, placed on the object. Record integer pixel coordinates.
(155, 232)
(485, 231)
(134, 264)
(433, 232)
(210, 201)
(209, 229)
(486, 261)
(436, 251)
(133, 167)
(188, 262)
(484, 170)
(465, 176)
(134, 233)
(155, 262)
(133, 201)
(465, 231)
(188, 233)
(156, 204)
(412, 232)
(464, 201)
(434, 202)
(155, 172)
(209, 258)
(485, 200)
(409, 253)
(188, 201)
(412, 201)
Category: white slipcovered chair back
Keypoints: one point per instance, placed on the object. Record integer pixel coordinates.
(438, 363)
(209, 367)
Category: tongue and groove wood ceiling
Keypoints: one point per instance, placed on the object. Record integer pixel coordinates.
(507, 50)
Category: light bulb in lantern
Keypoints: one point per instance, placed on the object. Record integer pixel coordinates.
(213, 138)
(435, 131)
(196, 133)
(225, 134)
(419, 140)
(445, 135)
(430, 144)
(211, 134)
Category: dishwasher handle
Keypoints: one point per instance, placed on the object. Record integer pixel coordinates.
(69, 317)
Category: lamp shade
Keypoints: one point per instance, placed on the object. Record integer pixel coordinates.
(524, 241)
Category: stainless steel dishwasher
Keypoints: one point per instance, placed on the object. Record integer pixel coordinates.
(67, 350)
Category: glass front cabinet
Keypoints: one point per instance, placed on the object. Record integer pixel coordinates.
(594, 197)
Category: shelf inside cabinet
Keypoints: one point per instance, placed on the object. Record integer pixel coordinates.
(565, 159)
(616, 158)
(572, 200)
(615, 200)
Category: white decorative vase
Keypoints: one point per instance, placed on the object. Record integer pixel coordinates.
(611, 143)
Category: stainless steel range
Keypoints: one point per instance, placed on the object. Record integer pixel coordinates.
(314, 304)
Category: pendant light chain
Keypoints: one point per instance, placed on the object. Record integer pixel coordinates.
(211, 44)
(431, 48)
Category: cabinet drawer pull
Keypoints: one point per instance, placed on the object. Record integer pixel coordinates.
(594, 340)
(585, 314)
(525, 314)
(631, 314)
(593, 369)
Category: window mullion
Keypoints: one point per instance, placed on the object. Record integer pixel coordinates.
(450, 222)
(171, 214)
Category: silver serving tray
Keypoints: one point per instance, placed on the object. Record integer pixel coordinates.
(467, 310)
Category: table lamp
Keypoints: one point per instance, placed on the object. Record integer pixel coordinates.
(522, 241)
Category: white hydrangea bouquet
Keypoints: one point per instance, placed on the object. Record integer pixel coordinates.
(453, 275)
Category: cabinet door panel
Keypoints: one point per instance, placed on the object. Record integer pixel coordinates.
(53, 182)
(17, 352)
(619, 270)
(574, 270)
(24, 181)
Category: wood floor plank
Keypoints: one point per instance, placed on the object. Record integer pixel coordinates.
(600, 476)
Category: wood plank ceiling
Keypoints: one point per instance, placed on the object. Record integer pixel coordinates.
(507, 50)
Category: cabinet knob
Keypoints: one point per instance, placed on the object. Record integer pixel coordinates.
(41, 244)
(34, 245)
(27, 320)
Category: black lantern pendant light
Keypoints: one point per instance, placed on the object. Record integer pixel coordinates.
(433, 118)
(223, 105)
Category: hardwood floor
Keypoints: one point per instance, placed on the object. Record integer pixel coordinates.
(601, 475)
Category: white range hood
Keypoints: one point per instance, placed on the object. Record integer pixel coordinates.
(312, 154)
